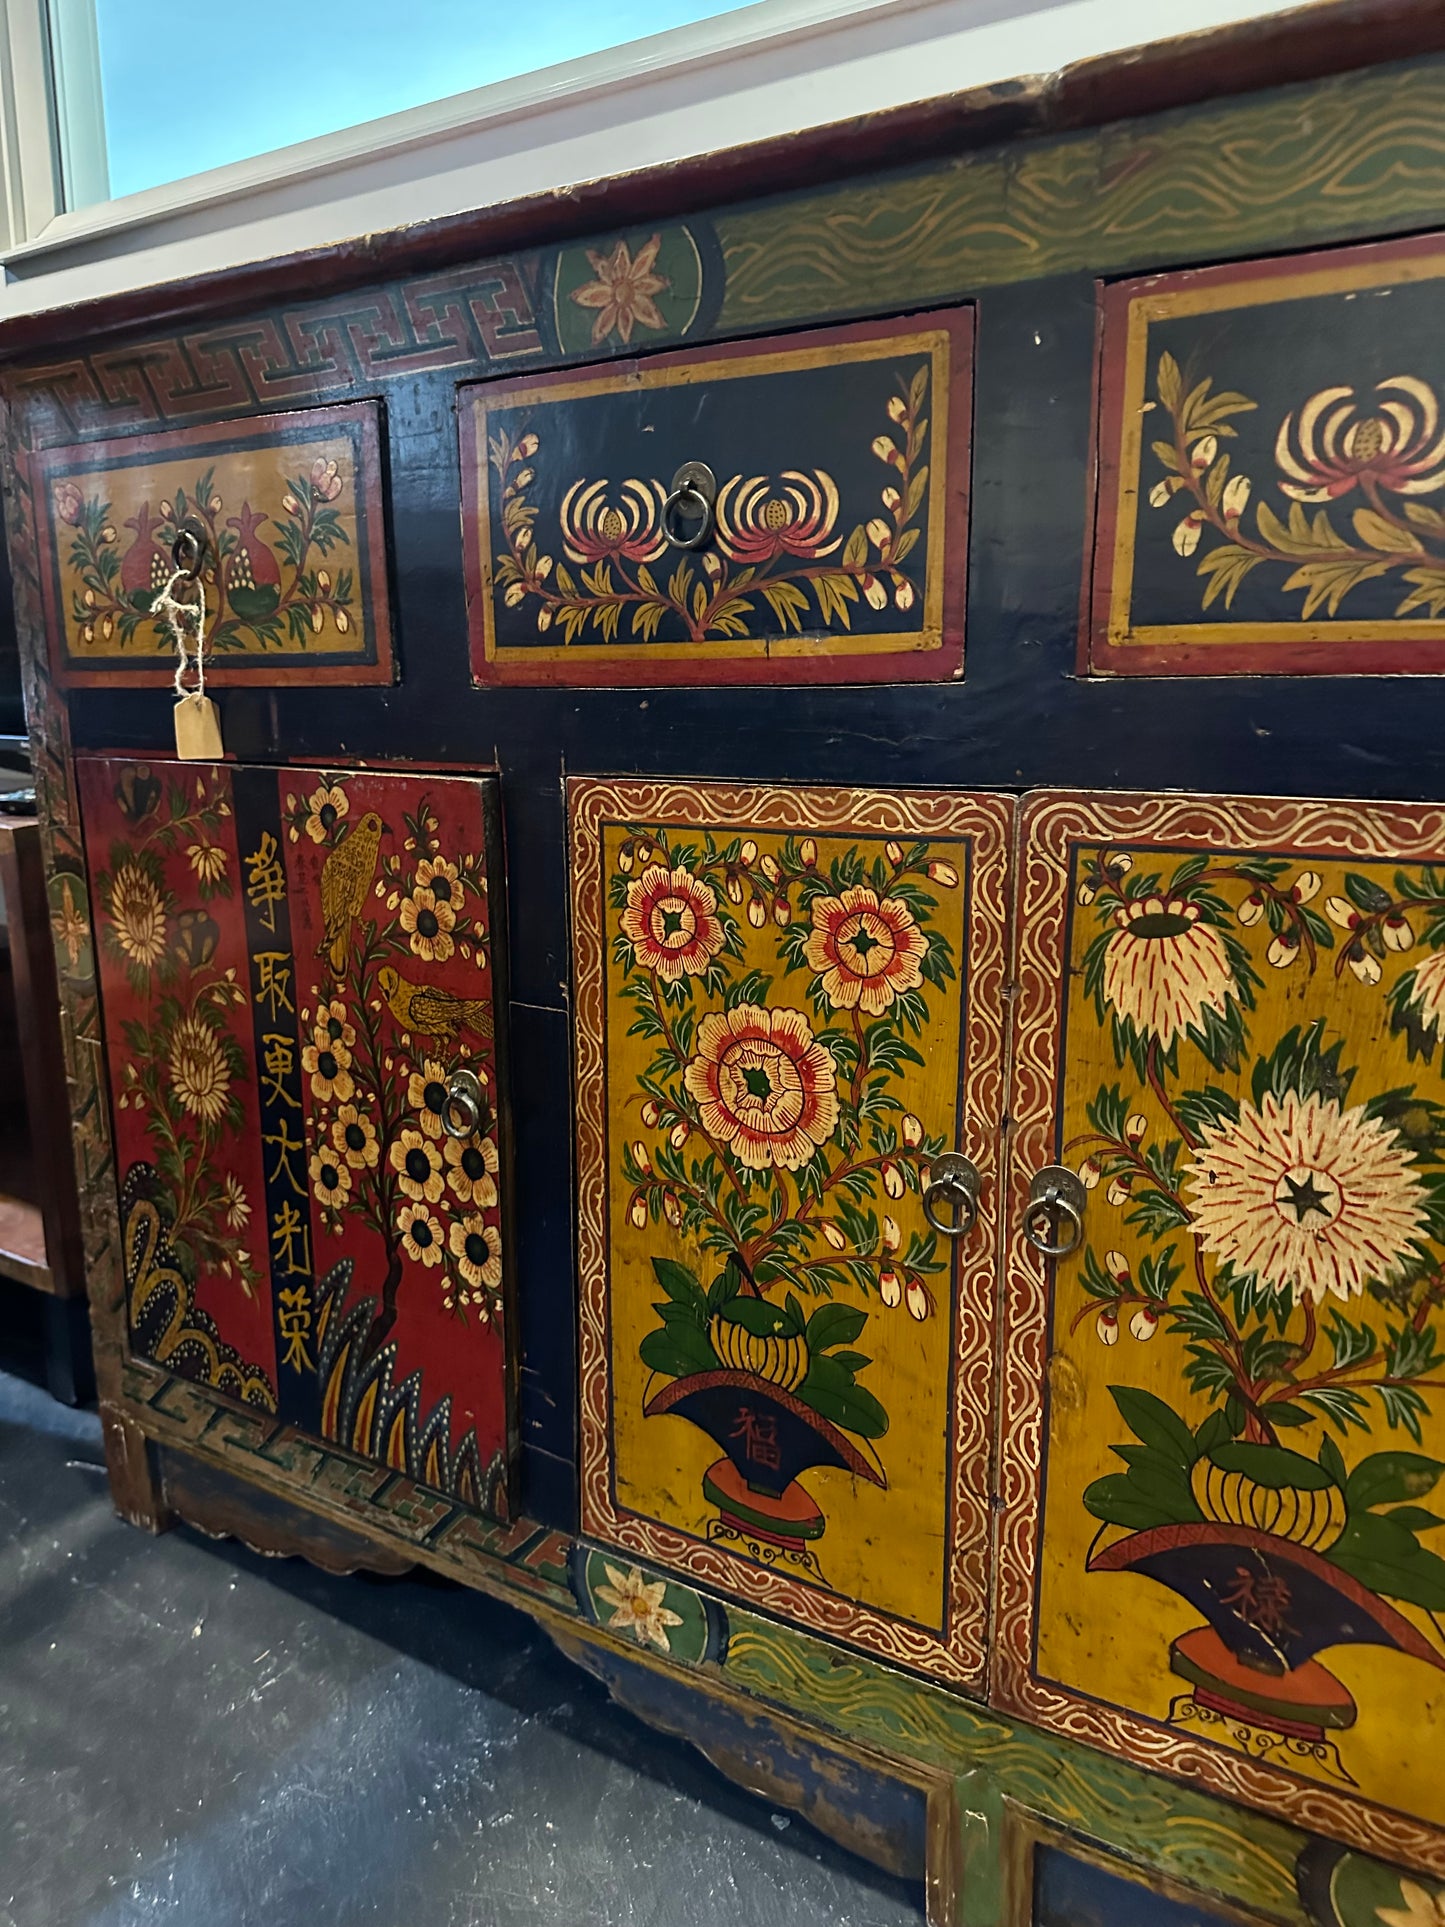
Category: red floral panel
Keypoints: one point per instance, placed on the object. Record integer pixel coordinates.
(295, 964)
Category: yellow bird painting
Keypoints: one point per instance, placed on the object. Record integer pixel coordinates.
(433, 1013)
(346, 877)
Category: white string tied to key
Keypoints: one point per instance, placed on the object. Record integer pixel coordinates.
(185, 620)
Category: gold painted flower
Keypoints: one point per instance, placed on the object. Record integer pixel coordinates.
(471, 1169)
(328, 1065)
(417, 1164)
(1336, 443)
(138, 911)
(1307, 1197)
(1421, 1908)
(354, 1136)
(200, 1075)
(330, 1178)
(325, 808)
(764, 1085)
(671, 922)
(637, 1607)
(758, 520)
(442, 879)
(596, 527)
(428, 921)
(477, 1248)
(334, 1027)
(865, 949)
(426, 1094)
(1164, 969)
(235, 1205)
(421, 1235)
(208, 860)
(69, 925)
(623, 290)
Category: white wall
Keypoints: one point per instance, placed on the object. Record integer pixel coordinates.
(816, 61)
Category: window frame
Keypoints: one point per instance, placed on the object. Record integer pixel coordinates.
(35, 222)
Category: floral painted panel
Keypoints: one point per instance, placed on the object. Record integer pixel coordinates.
(293, 964)
(1271, 467)
(1243, 1434)
(789, 1005)
(289, 510)
(837, 549)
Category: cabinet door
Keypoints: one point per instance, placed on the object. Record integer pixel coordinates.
(294, 963)
(1223, 1409)
(789, 1008)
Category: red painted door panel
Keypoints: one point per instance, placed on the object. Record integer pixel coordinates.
(293, 964)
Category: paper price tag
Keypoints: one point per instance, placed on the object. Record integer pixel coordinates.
(198, 730)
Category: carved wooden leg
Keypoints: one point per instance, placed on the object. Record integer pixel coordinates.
(134, 1480)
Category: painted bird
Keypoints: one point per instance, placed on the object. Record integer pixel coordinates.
(433, 1013)
(345, 879)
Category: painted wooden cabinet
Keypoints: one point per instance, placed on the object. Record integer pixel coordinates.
(783, 676)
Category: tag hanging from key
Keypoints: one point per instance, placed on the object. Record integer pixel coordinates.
(198, 724)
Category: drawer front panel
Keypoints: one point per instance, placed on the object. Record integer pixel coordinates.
(289, 509)
(789, 1005)
(1270, 466)
(293, 963)
(1230, 1026)
(840, 533)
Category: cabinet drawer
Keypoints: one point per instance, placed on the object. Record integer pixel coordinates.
(289, 510)
(834, 550)
(789, 1009)
(293, 965)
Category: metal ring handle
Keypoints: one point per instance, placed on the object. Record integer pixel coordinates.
(188, 551)
(1057, 1198)
(694, 491)
(953, 1180)
(464, 1105)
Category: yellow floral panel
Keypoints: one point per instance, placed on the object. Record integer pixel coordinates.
(795, 1358)
(287, 513)
(1245, 1456)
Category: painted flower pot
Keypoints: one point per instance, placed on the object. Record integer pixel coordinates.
(1271, 1606)
(768, 1434)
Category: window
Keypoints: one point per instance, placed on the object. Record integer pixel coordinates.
(147, 92)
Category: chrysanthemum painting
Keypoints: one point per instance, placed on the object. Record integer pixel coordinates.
(1253, 1104)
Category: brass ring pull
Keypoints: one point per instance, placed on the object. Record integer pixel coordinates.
(694, 491)
(1054, 1215)
(954, 1182)
(188, 551)
(465, 1105)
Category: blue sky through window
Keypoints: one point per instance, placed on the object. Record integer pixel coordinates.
(186, 93)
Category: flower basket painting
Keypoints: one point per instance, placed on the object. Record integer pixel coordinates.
(1272, 461)
(293, 965)
(1246, 1447)
(835, 547)
(289, 511)
(793, 1362)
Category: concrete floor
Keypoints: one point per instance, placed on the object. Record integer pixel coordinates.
(190, 1733)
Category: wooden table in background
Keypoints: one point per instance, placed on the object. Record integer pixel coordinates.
(40, 1244)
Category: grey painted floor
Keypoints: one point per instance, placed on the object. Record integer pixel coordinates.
(192, 1734)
